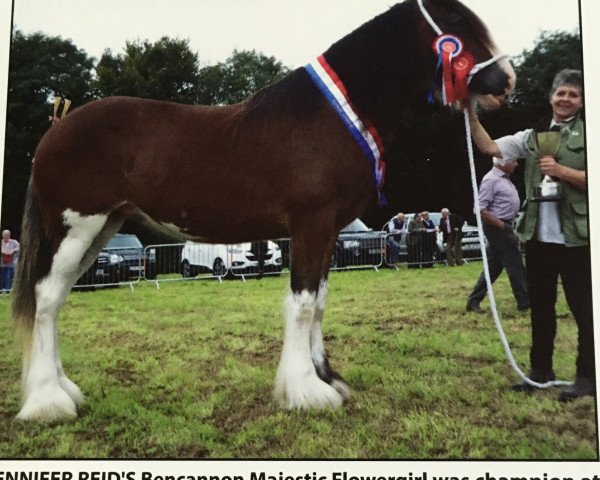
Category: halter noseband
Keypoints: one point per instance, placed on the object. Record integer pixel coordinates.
(457, 63)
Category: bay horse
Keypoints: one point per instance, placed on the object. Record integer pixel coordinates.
(282, 163)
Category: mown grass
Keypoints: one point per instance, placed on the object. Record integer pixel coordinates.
(187, 371)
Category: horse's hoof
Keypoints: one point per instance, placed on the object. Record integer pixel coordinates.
(48, 404)
(341, 387)
(72, 390)
(311, 393)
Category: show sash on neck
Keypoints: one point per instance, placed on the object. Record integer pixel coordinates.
(362, 131)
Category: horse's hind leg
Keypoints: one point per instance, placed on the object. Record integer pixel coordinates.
(112, 226)
(47, 393)
(298, 385)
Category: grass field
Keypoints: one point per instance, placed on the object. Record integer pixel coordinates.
(187, 371)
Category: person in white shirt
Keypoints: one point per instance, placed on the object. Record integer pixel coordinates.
(555, 232)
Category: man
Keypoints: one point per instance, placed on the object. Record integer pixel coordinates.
(10, 251)
(414, 241)
(499, 203)
(451, 228)
(429, 242)
(556, 233)
(396, 228)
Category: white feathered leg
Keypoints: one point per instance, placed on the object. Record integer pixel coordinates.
(297, 384)
(317, 348)
(47, 393)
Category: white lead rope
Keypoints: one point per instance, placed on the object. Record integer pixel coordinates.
(486, 269)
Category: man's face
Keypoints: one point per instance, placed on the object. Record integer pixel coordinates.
(400, 217)
(5, 236)
(445, 214)
(566, 102)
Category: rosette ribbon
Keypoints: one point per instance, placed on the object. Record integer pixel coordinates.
(455, 64)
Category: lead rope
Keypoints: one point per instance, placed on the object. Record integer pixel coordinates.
(486, 270)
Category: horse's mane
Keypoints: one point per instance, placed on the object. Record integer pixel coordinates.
(294, 94)
(466, 15)
(378, 62)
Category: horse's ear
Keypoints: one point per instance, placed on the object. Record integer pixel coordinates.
(443, 9)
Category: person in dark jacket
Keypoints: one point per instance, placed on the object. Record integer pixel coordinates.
(451, 228)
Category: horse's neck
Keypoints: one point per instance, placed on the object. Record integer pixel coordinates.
(379, 67)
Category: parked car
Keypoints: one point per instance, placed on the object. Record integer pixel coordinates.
(218, 259)
(358, 245)
(470, 242)
(121, 259)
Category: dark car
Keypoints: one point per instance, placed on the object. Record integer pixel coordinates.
(122, 259)
(358, 245)
(105, 270)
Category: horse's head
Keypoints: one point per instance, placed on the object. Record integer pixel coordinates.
(490, 85)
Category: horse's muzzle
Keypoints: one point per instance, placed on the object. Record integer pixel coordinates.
(492, 80)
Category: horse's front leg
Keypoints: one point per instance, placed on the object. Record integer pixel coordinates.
(298, 383)
(317, 347)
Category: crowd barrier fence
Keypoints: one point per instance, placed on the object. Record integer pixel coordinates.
(197, 261)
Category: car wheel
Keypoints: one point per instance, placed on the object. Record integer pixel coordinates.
(186, 269)
(219, 269)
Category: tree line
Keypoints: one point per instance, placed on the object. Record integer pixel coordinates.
(426, 163)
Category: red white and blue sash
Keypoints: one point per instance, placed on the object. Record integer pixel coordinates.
(363, 132)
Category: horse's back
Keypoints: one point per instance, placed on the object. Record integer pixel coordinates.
(214, 172)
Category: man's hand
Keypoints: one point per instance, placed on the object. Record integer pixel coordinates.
(549, 166)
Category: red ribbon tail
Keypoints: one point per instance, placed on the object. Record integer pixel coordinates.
(448, 84)
(460, 84)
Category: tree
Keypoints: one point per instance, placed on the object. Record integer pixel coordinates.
(41, 67)
(165, 70)
(536, 68)
(242, 74)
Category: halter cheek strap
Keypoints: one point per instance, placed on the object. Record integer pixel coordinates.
(458, 66)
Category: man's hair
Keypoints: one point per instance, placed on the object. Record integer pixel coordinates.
(445, 210)
(567, 77)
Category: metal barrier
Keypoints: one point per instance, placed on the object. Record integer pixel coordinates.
(361, 251)
(200, 261)
(426, 250)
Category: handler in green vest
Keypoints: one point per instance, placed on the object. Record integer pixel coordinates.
(555, 232)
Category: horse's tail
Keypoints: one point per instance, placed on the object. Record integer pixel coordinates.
(33, 264)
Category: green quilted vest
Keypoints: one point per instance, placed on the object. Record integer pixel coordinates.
(573, 207)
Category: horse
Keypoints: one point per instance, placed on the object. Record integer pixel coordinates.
(296, 164)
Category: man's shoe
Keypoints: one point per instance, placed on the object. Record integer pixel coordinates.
(536, 377)
(582, 387)
(474, 308)
(523, 308)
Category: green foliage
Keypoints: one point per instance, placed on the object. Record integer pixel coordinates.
(165, 70)
(242, 74)
(41, 67)
(536, 68)
(187, 370)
